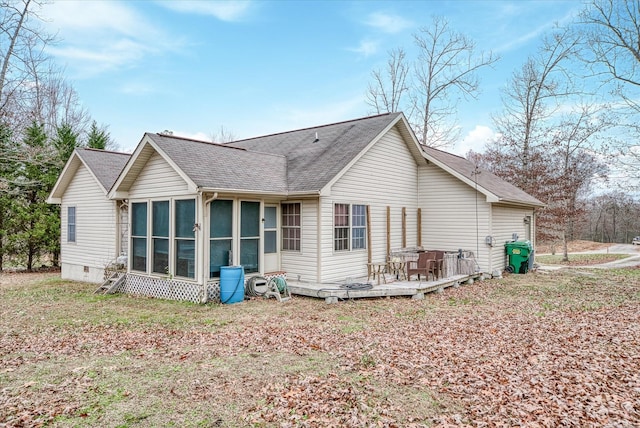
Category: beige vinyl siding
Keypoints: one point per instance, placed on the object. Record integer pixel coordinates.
(304, 264)
(507, 221)
(156, 180)
(450, 211)
(95, 245)
(385, 176)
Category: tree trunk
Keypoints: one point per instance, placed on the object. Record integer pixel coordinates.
(12, 44)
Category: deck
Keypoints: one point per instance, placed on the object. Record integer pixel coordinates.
(416, 289)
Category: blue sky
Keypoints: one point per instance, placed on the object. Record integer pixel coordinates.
(259, 67)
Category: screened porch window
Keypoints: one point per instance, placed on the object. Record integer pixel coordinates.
(249, 235)
(291, 227)
(220, 235)
(185, 238)
(349, 227)
(160, 236)
(139, 236)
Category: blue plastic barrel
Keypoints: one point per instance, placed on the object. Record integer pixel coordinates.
(231, 284)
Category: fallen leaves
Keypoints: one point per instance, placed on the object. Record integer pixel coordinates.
(560, 350)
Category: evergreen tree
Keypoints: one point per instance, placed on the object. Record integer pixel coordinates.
(35, 221)
(7, 201)
(98, 137)
(65, 142)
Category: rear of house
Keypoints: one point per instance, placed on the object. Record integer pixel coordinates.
(315, 204)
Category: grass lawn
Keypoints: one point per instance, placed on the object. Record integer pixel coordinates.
(553, 349)
(579, 259)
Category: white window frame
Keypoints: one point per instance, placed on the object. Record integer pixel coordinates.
(71, 224)
(284, 227)
(172, 247)
(349, 228)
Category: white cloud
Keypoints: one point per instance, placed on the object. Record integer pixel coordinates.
(475, 140)
(366, 48)
(200, 136)
(222, 10)
(387, 23)
(99, 36)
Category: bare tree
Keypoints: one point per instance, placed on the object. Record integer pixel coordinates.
(429, 88)
(223, 135)
(612, 217)
(389, 86)
(22, 44)
(551, 135)
(445, 70)
(613, 34)
(531, 98)
(56, 102)
(612, 29)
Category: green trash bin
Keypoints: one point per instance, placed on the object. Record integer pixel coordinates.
(518, 254)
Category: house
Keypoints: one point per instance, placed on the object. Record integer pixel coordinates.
(93, 227)
(316, 203)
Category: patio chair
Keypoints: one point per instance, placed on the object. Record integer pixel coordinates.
(439, 263)
(425, 265)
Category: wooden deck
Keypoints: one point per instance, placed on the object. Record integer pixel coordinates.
(416, 289)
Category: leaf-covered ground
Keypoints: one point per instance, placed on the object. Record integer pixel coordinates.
(558, 349)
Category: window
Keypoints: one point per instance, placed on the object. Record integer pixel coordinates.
(71, 224)
(249, 235)
(185, 238)
(341, 227)
(139, 236)
(358, 227)
(270, 230)
(349, 226)
(166, 259)
(220, 235)
(160, 236)
(291, 227)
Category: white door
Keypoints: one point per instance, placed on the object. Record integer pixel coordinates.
(271, 257)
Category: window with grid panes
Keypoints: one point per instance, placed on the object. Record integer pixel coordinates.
(350, 227)
(291, 227)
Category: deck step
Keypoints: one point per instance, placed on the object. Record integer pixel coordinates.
(111, 284)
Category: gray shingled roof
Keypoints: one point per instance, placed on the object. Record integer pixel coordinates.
(216, 166)
(105, 165)
(311, 163)
(494, 184)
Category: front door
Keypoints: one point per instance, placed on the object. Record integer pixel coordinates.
(271, 259)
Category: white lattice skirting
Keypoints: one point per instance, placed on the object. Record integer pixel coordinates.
(172, 289)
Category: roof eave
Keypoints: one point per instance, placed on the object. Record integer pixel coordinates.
(241, 191)
(522, 203)
(64, 179)
(147, 140)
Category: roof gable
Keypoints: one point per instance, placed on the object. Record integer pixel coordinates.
(207, 166)
(317, 156)
(493, 187)
(104, 166)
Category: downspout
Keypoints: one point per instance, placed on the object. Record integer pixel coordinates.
(205, 216)
(211, 199)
